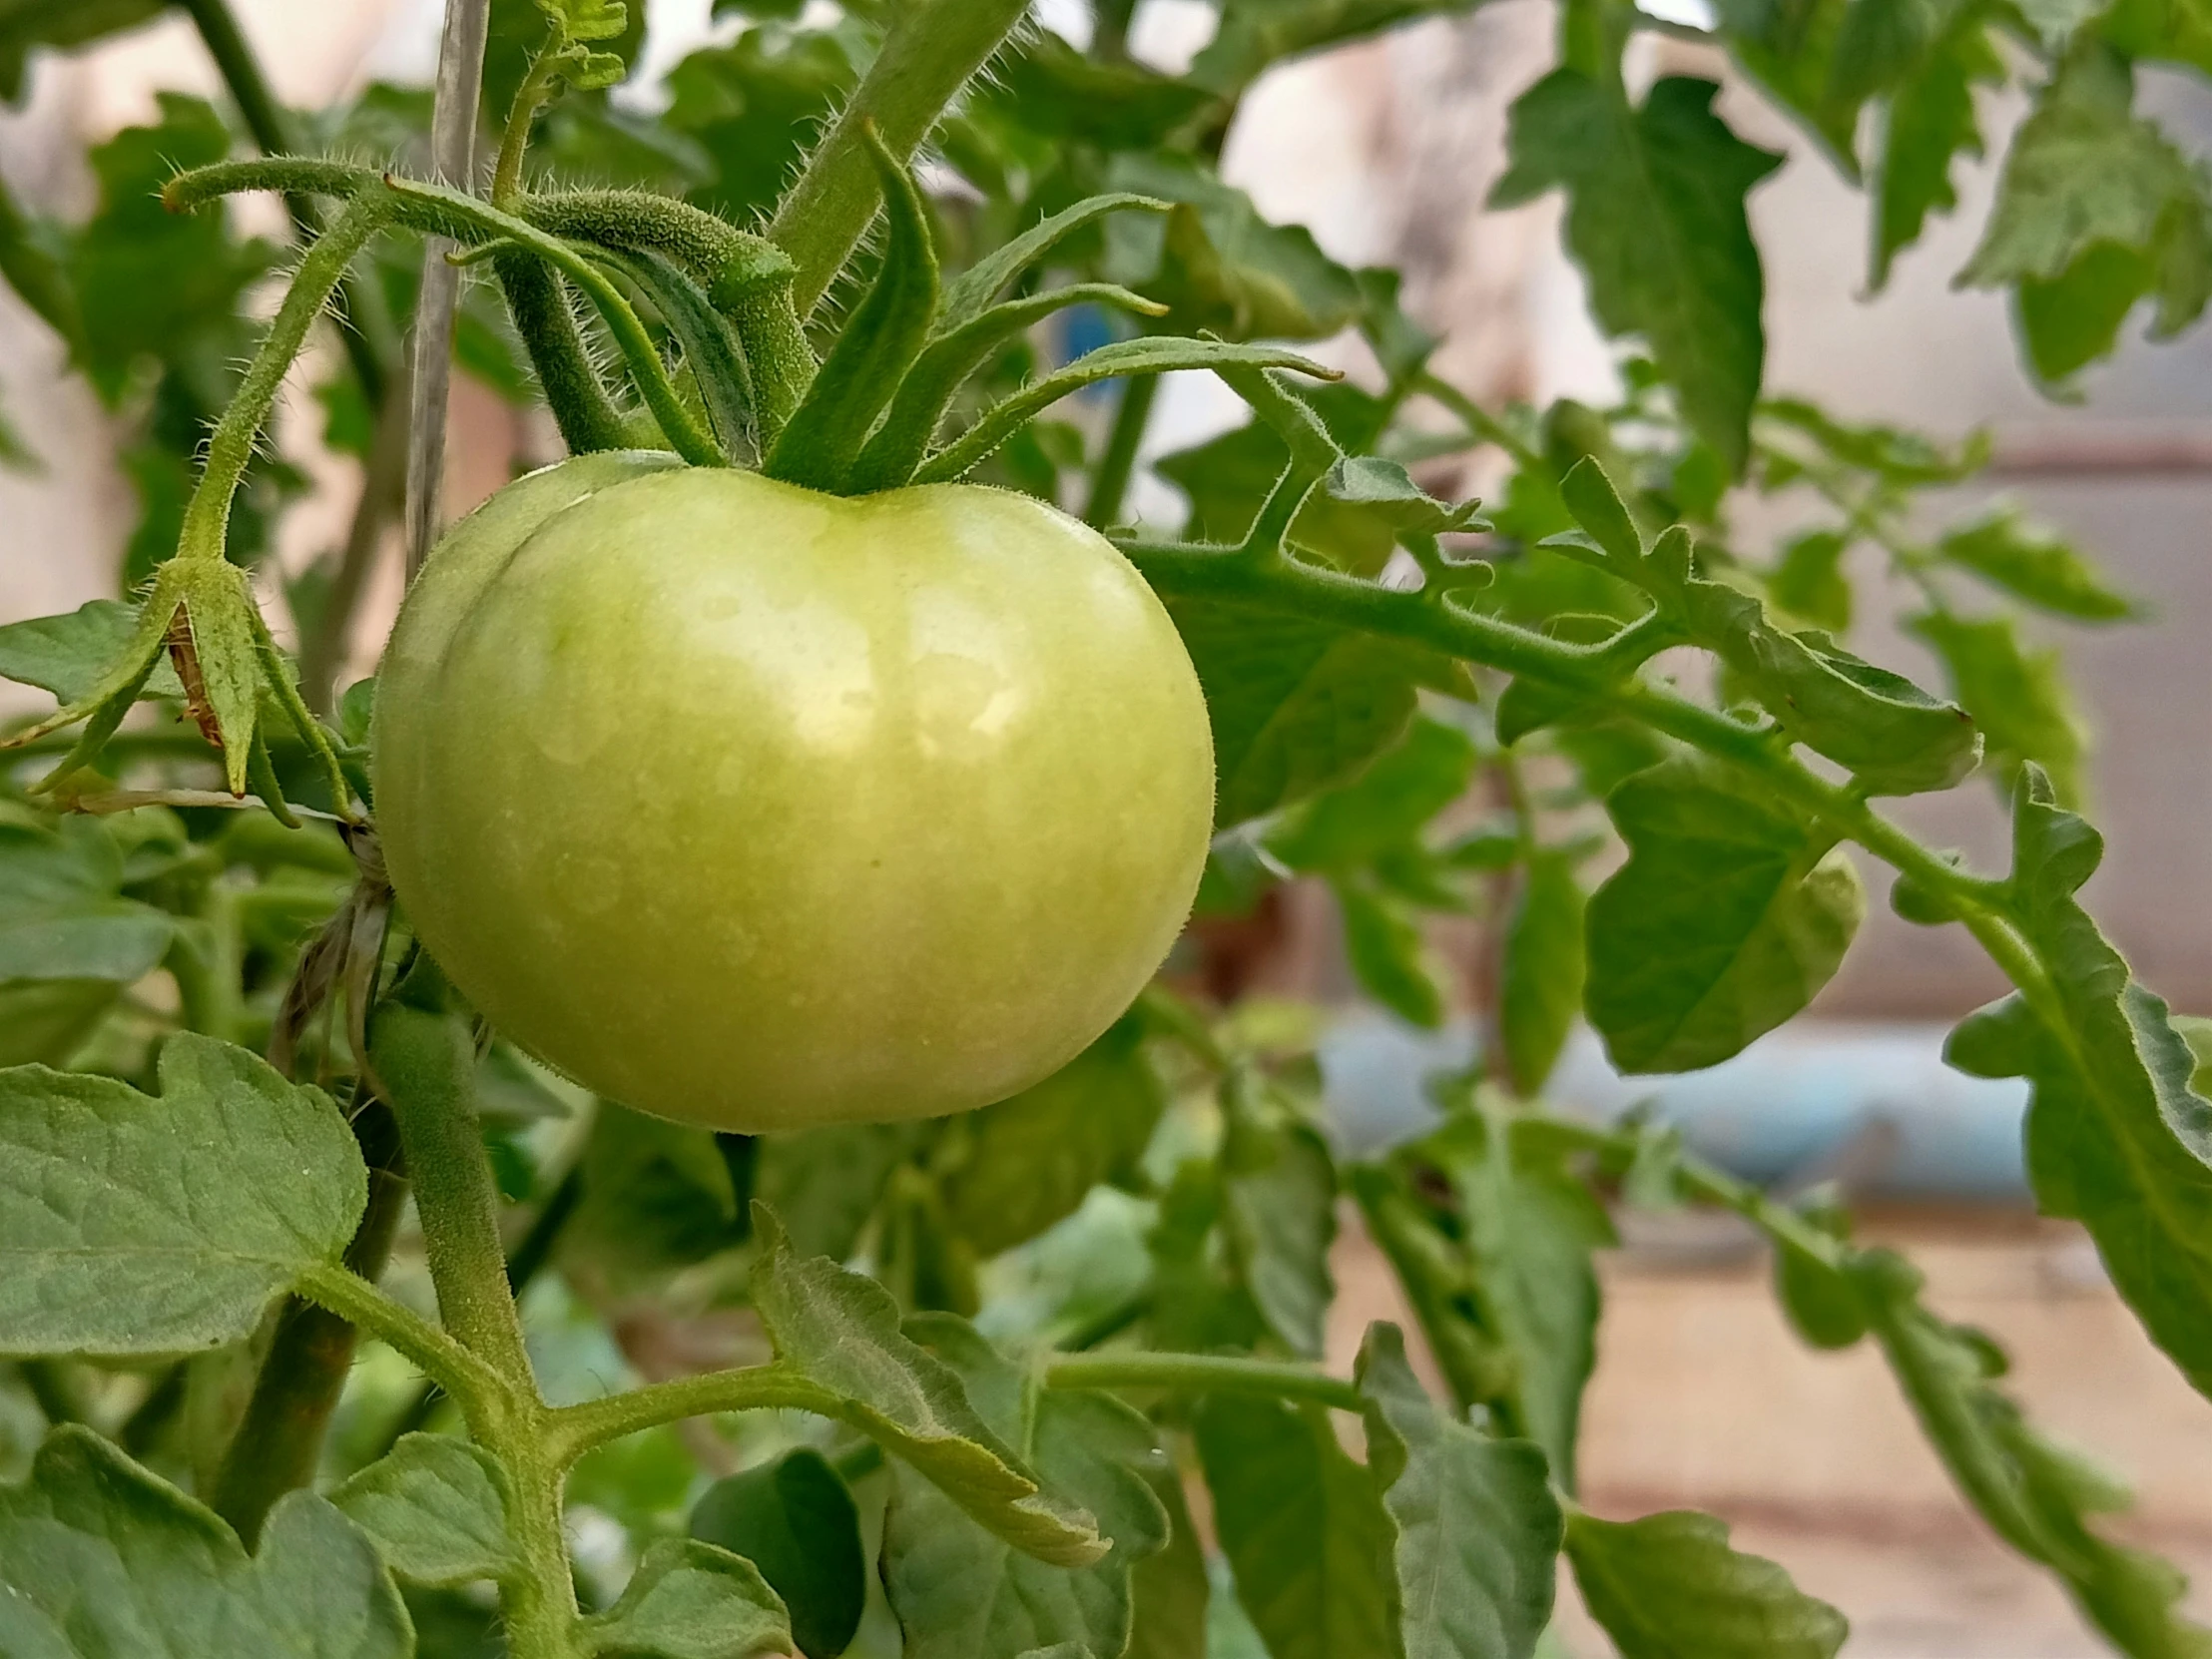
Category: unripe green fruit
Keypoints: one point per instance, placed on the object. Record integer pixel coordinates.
(756, 808)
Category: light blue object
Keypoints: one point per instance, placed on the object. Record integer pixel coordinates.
(1872, 1104)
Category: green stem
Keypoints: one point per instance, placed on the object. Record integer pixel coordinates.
(279, 1441)
(208, 963)
(927, 57)
(573, 1431)
(230, 447)
(451, 212)
(587, 416)
(361, 1305)
(1287, 586)
(367, 349)
(1115, 468)
(1110, 33)
(514, 143)
(424, 1065)
(1201, 1374)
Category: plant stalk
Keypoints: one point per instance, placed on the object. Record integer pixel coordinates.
(1116, 467)
(278, 1440)
(928, 55)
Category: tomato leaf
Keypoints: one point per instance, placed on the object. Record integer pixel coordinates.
(657, 1196)
(135, 1225)
(2031, 1492)
(824, 1183)
(794, 1519)
(2017, 696)
(63, 916)
(1655, 218)
(962, 1593)
(1478, 1532)
(1216, 264)
(1386, 807)
(1278, 1218)
(2031, 564)
(1030, 1161)
(67, 655)
(1303, 1528)
(1170, 1590)
(102, 1560)
(2116, 1134)
(1530, 1227)
(1729, 914)
(1540, 989)
(689, 1600)
(435, 1507)
(1929, 123)
(1668, 1586)
(842, 1331)
(2095, 211)
(1296, 706)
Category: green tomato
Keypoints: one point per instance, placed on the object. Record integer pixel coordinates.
(756, 808)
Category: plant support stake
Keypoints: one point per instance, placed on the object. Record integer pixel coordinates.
(453, 159)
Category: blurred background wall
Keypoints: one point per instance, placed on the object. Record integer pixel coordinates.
(1386, 151)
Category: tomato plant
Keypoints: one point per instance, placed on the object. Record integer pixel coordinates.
(712, 963)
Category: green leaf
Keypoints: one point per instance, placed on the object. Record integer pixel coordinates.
(1053, 91)
(1808, 581)
(1478, 1532)
(27, 24)
(2031, 564)
(1530, 1227)
(1278, 1218)
(910, 427)
(1216, 264)
(2116, 1136)
(962, 1593)
(130, 1225)
(1170, 1590)
(689, 1600)
(1303, 1528)
(69, 655)
(1729, 914)
(63, 916)
(657, 1196)
(102, 1560)
(824, 1183)
(1669, 1588)
(1296, 706)
(2031, 1492)
(842, 1331)
(1254, 34)
(794, 1519)
(1031, 1160)
(1540, 989)
(879, 343)
(1929, 123)
(436, 1509)
(968, 296)
(2096, 210)
(2017, 696)
(1822, 1304)
(1389, 954)
(1153, 354)
(1386, 807)
(1655, 219)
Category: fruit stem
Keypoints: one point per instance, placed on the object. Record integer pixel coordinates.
(208, 517)
(928, 55)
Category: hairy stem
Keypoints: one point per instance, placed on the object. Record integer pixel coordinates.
(1115, 468)
(278, 1440)
(1201, 1374)
(368, 349)
(587, 416)
(230, 448)
(927, 57)
(573, 1431)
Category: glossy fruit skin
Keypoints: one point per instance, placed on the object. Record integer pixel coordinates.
(755, 807)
